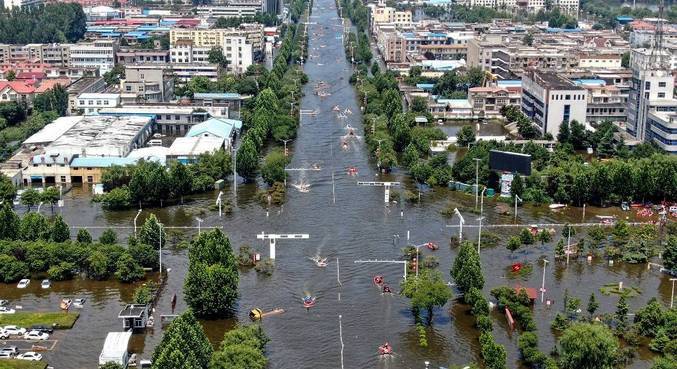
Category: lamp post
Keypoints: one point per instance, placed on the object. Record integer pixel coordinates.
(545, 262)
(517, 198)
(672, 294)
(160, 241)
(418, 262)
(479, 234)
(219, 202)
(199, 222)
(460, 223)
(477, 179)
(137, 215)
(40, 205)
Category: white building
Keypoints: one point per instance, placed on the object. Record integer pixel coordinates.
(238, 53)
(549, 100)
(569, 7)
(91, 103)
(11, 4)
(662, 129)
(99, 54)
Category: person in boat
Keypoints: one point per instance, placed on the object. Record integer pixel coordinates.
(386, 289)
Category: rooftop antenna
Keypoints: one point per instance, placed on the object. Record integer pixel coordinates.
(657, 58)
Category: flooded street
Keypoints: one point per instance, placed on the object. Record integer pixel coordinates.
(357, 226)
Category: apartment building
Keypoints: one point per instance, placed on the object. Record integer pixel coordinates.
(605, 102)
(99, 54)
(662, 129)
(238, 53)
(549, 99)
(569, 7)
(380, 13)
(253, 33)
(184, 51)
(511, 62)
(601, 60)
(90, 103)
(488, 101)
(482, 51)
(152, 56)
(146, 84)
(52, 54)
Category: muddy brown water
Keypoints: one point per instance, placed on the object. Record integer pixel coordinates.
(358, 226)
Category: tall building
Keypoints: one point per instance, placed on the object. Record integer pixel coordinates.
(52, 54)
(99, 54)
(651, 87)
(549, 100)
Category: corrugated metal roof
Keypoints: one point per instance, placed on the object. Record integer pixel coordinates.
(101, 161)
(214, 95)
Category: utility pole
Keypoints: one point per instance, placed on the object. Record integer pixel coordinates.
(479, 234)
(234, 173)
(160, 224)
(477, 178)
(568, 244)
(517, 198)
(199, 222)
(672, 294)
(545, 262)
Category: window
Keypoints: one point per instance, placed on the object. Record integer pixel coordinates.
(567, 113)
(647, 85)
(567, 97)
(105, 102)
(98, 102)
(63, 178)
(82, 102)
(90, 102)
(89, 168)
(661, 95)
(90, 179)
(661, 84)
(177, 117)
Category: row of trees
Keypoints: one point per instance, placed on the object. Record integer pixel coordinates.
(53, 23)
(150, 182)
(185, 345)
(267, 19)
(32, 244)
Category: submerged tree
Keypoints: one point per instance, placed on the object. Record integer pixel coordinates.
(426, 291)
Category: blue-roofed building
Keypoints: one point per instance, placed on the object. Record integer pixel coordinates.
(230, 100)
(624, 19)
(224, 128)
(425, 86)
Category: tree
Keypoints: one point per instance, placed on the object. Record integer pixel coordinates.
(83, 236)
(588, 346)
(494, 355)
(247, 159)
(241, 348)
(447, 84)
(143, 295)
(12, 270)
(145, 255)
(54, 99)
(117, 199)
(426, 291)
(467, 269)
(622, 309)
(108, 237)
(30, 197)
(113, 76)
(528, 39)
(127, 269)
(625, 60)
(544, 236)
(97, 265)
(559, 249)
(650, 319)
(34, 227)
(9, 223)
(392, 103)
(593, 305)
(182, 182)
(10, 75)
(517, 186)
(152, 233)
(216, 56)
(212, 278)
(273, 166)
(514, 244)
(60, 231)
(7, 189)
(410, 155)
(564, 134)
(669, 254)
(465, 136)
(183, 340)
(419, 104)
(110, 364)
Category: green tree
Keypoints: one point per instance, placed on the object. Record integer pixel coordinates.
(544, 236)
(241, 348)
(514, 244)
(113, 76)
(625, 60)
(669, 254)
(410, 155)
(517, 186)
(564, 135)
(181, 180)
(183, 340)
(60, 231)
(12, 270)
(216, 56)
(34, 227)
(273, 166)
(247, 159)
(588, 346)
(143, 295)
(54, 99)
(593, 305)
(526, 238)
(650, 319)
(146, 255)
(426, 291)
(10, 223)
(467, 269)
(494, 355)
(30, 197)
(212, 278)
(622, 310)
(392, 103)
(528, 39)
(152, 233)
(559, 249)
(419, 105)
(7, 189)
(465, 136)
(97, 265)
(127, 269)
(110, 364)
(108, 237)
(83, 236)
(117, 199)
(10, 75)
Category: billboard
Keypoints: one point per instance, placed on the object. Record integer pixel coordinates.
(512, 162)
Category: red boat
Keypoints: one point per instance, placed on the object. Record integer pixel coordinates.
(432, 246)
(308, 302)
(385, 349)
(378, 280)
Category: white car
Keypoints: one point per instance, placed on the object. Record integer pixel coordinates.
(6, 355)
(3, 335)
(23, 283)
(36, 335)
(13, 330)
(6, 310)
(11, 349)
(30, 355)
(46, 284)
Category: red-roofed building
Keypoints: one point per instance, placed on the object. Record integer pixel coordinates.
(48, 84)
(16, 91)
(28, 76)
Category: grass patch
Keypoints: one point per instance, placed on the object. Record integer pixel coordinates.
(59, 320)
(612, 288)
(22, 364)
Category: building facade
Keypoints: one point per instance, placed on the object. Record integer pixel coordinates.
(99, 54)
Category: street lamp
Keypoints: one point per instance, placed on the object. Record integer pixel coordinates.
(479, 235)
(545, 262)
(160, 240)
(672, 294)
(199, 222)
(219, 202)
(477, 178)
(418, 261)
(40, 205)
(137, 215)
(517, 198)
(460, 223)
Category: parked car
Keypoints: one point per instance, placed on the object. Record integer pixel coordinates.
(30, 355)
(14, 330)
(6, 310)
(45, 284)
(79, 303)
(42, 328)
(23, 283)
(11, 349)
(36, 335)
(3, 335)
(6, 355)
(3, 302)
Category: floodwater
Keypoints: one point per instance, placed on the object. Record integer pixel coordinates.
(356, 226)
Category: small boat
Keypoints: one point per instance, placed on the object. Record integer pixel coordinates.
(347, 111)
(23, 283)
(378, 280)
(352, 171)
(336, 108)
(320, 262)
(65, 304)
(385, 349)
(308, 301)
(432, 246)
(386, 289)
(79, 303)
(673, 209)
(556, 206)
(46, 284)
